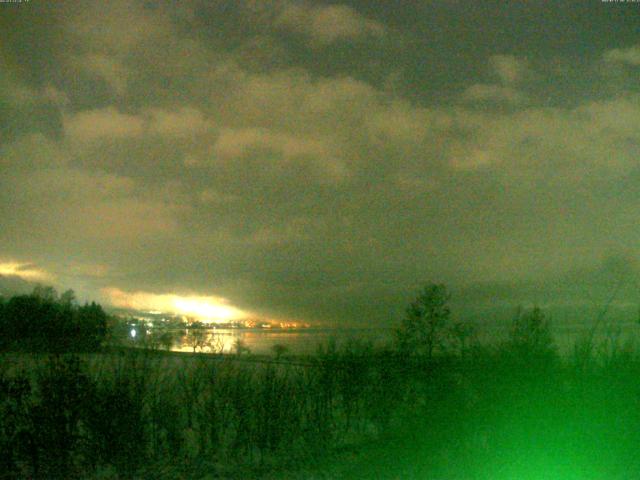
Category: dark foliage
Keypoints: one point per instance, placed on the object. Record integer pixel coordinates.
(423, 330)
(64, 393)
(513, 410)
(43, 322)
(16, 427)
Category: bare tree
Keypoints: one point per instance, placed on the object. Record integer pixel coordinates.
(215, 342)
(424, 327)
(196, 338)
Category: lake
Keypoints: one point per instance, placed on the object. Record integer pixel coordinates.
(611, 334)
(297, 341)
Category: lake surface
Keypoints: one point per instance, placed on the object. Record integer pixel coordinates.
(296, 341)
(607, 335)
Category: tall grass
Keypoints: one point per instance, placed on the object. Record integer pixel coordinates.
(505, 411)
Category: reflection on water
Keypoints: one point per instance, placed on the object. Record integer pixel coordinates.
(307, 341)
(262, 341)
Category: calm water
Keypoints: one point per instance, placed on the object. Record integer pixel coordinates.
(299, 341)
(307, 341)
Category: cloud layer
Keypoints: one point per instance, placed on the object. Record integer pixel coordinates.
(305, 160)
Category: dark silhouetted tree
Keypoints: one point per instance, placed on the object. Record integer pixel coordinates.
(43, 322)
(196, 337)
(462, 335)
(530, 335)
(166, 340)
(91, 326)
(423, 328)
(3, 324)
(30, 322)
(68, 298)
(45, 292)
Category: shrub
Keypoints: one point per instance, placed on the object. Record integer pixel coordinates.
(64, 399)
(530, 336)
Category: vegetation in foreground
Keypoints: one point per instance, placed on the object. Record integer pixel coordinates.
(439, 407)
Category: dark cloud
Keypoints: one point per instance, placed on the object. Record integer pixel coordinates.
(319, 161)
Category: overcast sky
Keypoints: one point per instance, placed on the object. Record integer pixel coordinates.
(320, 161)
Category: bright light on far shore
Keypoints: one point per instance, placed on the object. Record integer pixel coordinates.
(203, 307)
(208, 309)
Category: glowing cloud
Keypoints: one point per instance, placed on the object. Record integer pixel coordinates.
(26, 271)
(205, 308)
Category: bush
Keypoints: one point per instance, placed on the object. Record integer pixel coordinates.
(530, 337)
(64, 394)
(16, 425)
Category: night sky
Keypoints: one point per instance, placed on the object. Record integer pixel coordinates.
(320, 161)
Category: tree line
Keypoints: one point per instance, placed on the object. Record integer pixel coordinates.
(44, 321)
(427, 330)
(47, 321)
